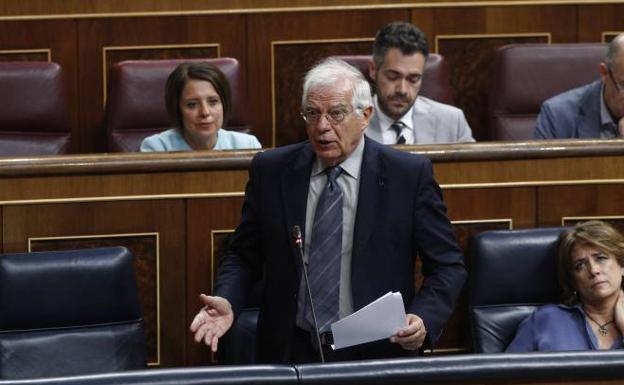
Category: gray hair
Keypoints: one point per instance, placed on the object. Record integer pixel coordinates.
(330, 72)
(614, 49)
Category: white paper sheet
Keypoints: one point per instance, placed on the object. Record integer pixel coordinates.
(379, 319)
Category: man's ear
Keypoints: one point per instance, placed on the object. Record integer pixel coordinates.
(366, 115)
(372, 70)
(604, 71)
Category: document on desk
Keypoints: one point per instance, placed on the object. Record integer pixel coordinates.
(379, 319)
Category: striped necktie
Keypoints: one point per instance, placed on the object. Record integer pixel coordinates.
(398, 128)
(325, 253)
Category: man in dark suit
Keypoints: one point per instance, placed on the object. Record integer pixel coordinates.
(391, 211)
(595, 110)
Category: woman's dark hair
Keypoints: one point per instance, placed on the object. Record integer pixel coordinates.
(198, 71)
(594, 233)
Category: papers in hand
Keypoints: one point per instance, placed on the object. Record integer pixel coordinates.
(379, 319)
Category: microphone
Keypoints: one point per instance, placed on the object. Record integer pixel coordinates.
(296, 233)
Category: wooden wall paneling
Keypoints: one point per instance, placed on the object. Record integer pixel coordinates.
(481, 204)
(132, 223)
(424, 19)
(608, 36)
(46, 40)
(306, 28)
(208, 223)
(468, 38)
(470, 58)
(89, 187)
(590, 200)
(471, 212)
(288, 74)
(596, 20)
(81, 8)
(616, 221)
(143, 38)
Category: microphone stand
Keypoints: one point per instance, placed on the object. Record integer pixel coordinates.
(299, 242)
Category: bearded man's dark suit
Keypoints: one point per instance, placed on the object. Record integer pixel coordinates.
(400, 215)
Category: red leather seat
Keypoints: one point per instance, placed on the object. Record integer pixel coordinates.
(525, 75)
(135, 106)
(435, 85)
(34, 109)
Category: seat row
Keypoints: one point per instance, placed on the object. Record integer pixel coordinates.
(93, 324)
(34, 108)
(520, 265)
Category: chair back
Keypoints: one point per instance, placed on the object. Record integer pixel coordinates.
(34, 109)
(512, 272)
(69, 313)
(436, 81)
(238, 345)
(135, 105)
(525, 75)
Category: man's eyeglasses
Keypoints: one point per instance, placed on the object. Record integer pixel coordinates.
(334, 116)
(619, 87)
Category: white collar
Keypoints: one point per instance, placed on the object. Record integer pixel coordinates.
(352, 165)
(385, 121)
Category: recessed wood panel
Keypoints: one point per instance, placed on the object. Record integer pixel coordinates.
(482, 204)
(615, 221)
(97, 221)
(265, 29)
(470, 57)
(208, 223)
(596, 20)
(43, 54)
(134, 185)
(292, 59)
(468, 37)
(144, 248)
(558, 202)
(228, 32)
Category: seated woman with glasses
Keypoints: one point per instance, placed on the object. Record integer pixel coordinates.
(197, 96)
(590, 265)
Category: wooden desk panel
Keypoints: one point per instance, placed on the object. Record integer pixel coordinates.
(578, 203)
(192, 201)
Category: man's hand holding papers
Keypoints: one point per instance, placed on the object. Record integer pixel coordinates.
(382, 318)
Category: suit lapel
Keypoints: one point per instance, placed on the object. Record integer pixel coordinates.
(372, 184)
(425, 123)
(374, 130)
(294, 187)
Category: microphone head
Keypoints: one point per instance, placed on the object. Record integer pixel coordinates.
(296, 231)
(296, 234)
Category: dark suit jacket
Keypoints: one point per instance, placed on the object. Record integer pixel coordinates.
(400, 215)
(572, 114)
